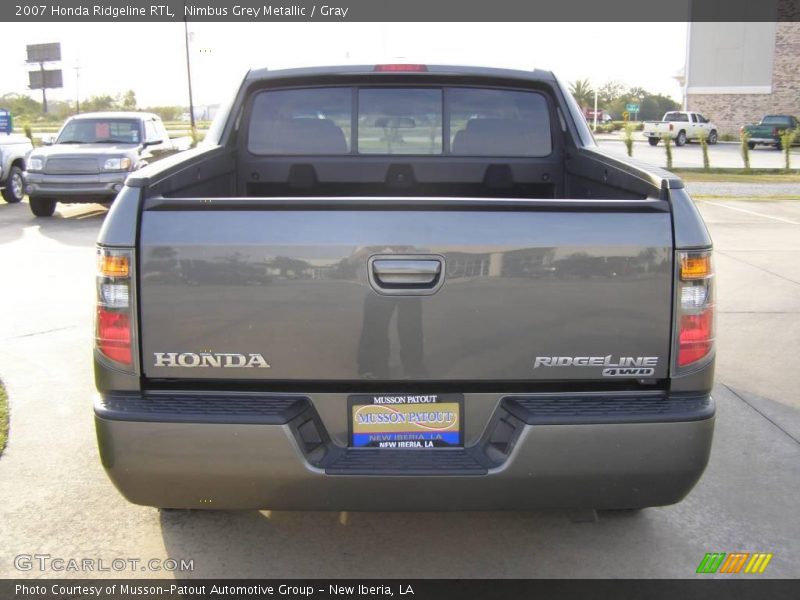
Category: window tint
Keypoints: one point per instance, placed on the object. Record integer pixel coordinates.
(150, 132)
(676, 116)
(89, 131)
(776, 120)
(163, 135)
(499, 123)
(304, 121)
(399, 121)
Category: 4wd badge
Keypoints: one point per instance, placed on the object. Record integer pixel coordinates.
(624, 366)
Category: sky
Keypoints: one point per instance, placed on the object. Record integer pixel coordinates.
(150, 59)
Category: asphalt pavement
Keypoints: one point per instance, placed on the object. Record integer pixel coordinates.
(56, 500)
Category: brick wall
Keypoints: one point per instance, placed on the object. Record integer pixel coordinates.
(730, 111)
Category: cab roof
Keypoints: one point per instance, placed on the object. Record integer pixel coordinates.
(111, 114)
(430, 70)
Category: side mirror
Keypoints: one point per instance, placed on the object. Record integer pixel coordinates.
(48, 139)
(152, 143)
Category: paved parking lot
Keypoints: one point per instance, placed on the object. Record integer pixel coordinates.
(724, 155)
(56, 500)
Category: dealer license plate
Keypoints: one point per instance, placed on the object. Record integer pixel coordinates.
(406, 421)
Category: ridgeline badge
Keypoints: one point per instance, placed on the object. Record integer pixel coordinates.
(625, 366)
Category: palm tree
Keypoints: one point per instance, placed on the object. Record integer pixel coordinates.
(582, 91)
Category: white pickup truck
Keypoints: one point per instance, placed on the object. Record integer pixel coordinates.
(13, 150)
(682, 127)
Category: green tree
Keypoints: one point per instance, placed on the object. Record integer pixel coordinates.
(21, 106)
(98, 103)
(167, 113)
(127, 101)
(582, 91)
(610, 91)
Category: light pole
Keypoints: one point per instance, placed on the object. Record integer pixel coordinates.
(594, 126)
(77, 86)
(189, 72)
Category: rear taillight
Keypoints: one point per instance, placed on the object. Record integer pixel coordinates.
(775, 132)
(695, 335)
(400, 68)
(113, 324)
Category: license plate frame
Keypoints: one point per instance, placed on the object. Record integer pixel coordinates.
(423, 432)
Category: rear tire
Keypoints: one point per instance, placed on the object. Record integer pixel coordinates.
(43, 207)
(779, 146)
(712, 137)
(653, 141)
(680, 139)
(14, 190)
(751, 145)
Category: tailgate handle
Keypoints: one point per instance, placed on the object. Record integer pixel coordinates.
(406, 275)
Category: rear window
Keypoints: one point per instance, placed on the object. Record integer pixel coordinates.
(410, 121)
(307, 121)
(98, 131)
(776, 121)
(498, 123)
(400, 121)
(676, 116)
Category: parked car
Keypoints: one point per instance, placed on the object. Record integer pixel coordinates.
(505, 317)
(92, 156)
(13, 150)
(768, 132)
(682, 127)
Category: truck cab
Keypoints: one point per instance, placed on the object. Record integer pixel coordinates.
(681, 127)
(92, 156)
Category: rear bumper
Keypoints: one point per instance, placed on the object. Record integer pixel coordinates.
(763, 140)
(533, 454)
(75, 188)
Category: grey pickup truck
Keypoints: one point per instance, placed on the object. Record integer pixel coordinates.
(403, 287)
(91, 157)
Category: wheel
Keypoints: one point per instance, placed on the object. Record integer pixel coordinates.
(712, 137)
(779, 146)
(43, 207)
(681, 139)
(751, 145)
(13, 192)
(653, 141)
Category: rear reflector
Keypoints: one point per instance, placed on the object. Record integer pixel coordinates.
(399, 68)
(110, 265)
(695, 266)
(696, 337)
(114, 335)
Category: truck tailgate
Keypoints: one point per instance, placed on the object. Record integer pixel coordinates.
(398, 289)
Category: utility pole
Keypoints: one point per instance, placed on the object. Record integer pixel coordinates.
(77, 87)
(594, 127)
(188, 71)
(44, 92)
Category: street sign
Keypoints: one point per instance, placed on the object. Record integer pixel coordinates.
(632, 107)
(39, 53)
(6, 122)
(51, 78)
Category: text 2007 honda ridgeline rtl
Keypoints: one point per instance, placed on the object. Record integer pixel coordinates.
(403, 287)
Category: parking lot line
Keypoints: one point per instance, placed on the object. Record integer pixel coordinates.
(752, 212)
